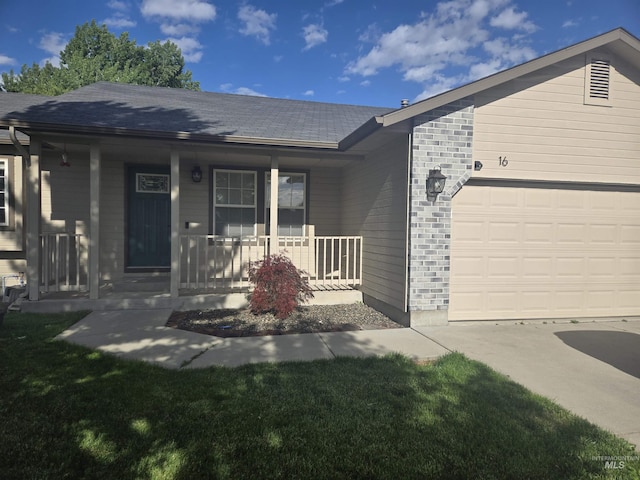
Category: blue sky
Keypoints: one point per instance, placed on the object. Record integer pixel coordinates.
(367, 52)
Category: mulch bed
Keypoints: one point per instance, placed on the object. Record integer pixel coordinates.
(306, 319)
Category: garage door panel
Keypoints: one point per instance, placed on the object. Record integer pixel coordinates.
(504, 268)
(570, 233)
(538, 199)
(540, 268)
(602, 235)
(537, 233)
(471, 232)
(569, 268)
(602, 268)
(504, 232)
(630, 235)
(536, 253)
(629, 268)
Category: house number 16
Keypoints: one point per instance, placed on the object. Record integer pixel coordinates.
(502, 161)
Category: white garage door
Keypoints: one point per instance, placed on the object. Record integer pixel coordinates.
(521, 253)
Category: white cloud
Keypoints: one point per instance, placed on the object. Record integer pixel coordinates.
(5, 60)
(451, 45)
(228, 88)
(179, 29)
(365, 83)
(119, 21)
(509, 19)
(278, 58)
(52, 43)
(344, 78)
(190, 47)
(314, 35)
(179, 20)
(438, 85)
(309, 93)
(257, 23)
(570, 23)
(179, 10)
(118, 5)
(248, 91)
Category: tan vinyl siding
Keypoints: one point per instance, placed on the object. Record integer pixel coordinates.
(325, 208)
(541, 124)
(65, 195)
(374, 203)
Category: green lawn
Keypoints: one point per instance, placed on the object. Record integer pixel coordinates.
(69, 412)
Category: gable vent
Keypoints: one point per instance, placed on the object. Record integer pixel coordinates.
(599, 79)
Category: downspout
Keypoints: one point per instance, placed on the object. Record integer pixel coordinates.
(407, 264)
(16, 143)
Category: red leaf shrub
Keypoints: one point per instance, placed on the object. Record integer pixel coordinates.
(279, 287)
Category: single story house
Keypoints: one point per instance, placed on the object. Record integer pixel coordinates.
(113, 185)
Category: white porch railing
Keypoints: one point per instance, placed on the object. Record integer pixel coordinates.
(211, 262)
(63, 262)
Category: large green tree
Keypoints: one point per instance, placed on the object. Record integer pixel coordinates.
(94, 54)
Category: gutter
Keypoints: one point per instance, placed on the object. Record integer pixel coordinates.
(16, 143)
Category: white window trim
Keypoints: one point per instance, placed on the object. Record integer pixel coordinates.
(4, 164)
(224, 205)
(304, 199)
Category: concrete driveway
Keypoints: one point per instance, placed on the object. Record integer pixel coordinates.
(592, 369)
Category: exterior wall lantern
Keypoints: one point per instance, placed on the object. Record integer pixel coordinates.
(435, 183)
(196, 174)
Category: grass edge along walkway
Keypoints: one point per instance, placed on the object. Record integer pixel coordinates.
(70, 412)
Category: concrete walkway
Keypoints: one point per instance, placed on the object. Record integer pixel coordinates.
(142, 335)
(592, 369)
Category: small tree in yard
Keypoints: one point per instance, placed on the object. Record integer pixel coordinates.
(279, 287)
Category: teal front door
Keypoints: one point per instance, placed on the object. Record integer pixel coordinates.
(149, 218)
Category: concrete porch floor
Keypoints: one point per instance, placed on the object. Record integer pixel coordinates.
(116, 299)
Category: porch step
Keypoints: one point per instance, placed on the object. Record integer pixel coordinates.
(142, 284)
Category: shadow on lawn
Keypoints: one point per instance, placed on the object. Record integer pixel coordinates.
(72, 412)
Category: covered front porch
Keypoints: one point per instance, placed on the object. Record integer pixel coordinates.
(83, 260)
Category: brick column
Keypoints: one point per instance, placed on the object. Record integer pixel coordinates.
(440, 137)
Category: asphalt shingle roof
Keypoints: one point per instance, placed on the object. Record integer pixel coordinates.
(165, 110)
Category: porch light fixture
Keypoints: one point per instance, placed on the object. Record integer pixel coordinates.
(65, 158)
(435, 183)
(196, 174)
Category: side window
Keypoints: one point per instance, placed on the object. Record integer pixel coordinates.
(292, 196)
(234, 203)
(4, 193)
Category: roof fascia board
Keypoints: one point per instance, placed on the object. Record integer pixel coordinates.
(510, 74)
(148, 134)
(360, 133)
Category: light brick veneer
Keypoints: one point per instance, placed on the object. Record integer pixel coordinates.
(440, 137)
